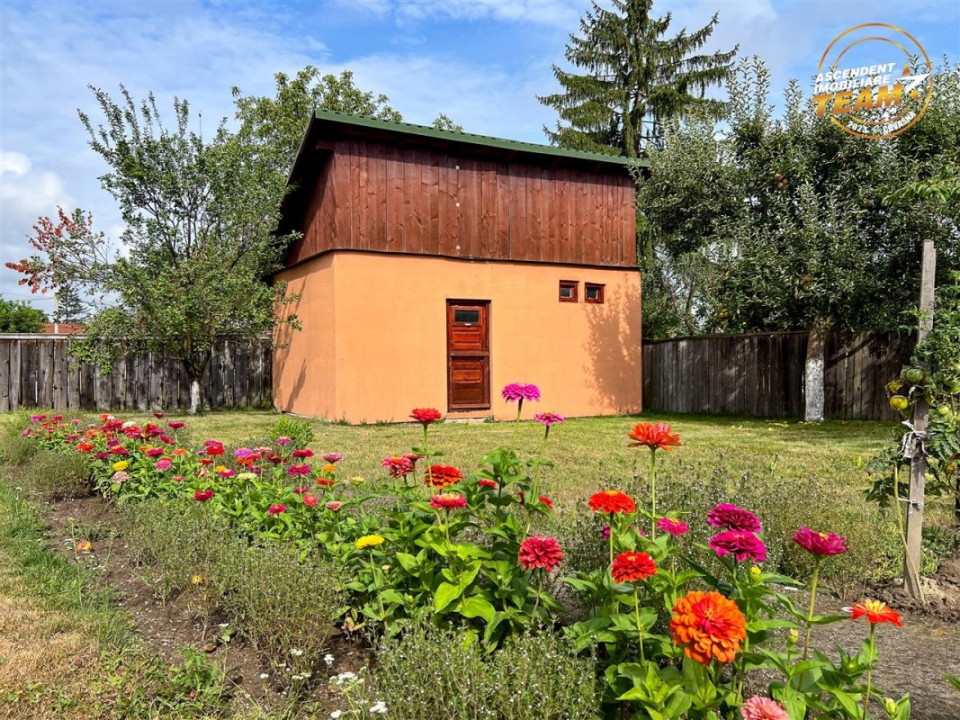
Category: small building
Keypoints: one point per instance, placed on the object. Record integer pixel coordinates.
(435, 267)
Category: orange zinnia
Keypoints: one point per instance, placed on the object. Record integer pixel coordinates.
(656, 436)
(612, 501)
(875, 612)
(708, 626)
(441, 476)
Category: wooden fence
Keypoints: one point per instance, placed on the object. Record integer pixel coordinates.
(762, 375)
(36, 371)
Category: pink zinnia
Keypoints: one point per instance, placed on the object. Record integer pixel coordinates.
(120, 477)
(740, 544)
(154, 452)
(540, 551)
(298, 470)
(299, 490)
(310, 500)
(549, 419)
(228, 473)
(515, 392)
(283, 440)
(332, 457)
(202, 495)
(243, 453)
(732, 517)
(676, 528)
(398, 467)
(163, 464)
(448, 501)
(334, 505)
(277, 509)
(761, 708)
(820, 543)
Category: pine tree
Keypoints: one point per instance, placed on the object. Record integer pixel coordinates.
(70, 308)
(635, 79)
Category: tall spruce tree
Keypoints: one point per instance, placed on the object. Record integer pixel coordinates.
(635, 79)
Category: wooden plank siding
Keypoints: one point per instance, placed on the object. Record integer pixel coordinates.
(761, 375)
(38, 372)
(373, 196)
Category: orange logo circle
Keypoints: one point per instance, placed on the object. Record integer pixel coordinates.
(874, 100)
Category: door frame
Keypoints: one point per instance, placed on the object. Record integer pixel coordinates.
(446, 326)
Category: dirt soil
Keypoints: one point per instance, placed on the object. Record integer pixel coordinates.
(168, 626)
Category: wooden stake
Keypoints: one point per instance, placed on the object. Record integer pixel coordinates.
(921, 418)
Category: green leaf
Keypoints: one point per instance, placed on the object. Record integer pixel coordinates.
(476, 606)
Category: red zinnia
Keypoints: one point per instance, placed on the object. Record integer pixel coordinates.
(310, 500)
(441, 476)
(298, 470)
(202, 495)
(819, 543)
(484, 483)
(632, 566)
(540, 551)
(656, 436)
(425, 416)
(277, 509)
(741, 545)
(612, 501)
(732, 517)
(543, 498)
(175, 424)
(213, 448)
(448, 501)
(875, 612)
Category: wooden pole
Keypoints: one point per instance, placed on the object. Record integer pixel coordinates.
(921, 418)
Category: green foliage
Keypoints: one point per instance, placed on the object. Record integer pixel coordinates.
(635, 79)
(532, 677)
(57, 475)
(299, 431)
(70, 306)
(778, 223)
(276, 125)
(443, 122)
(198, 243)
(20, 317)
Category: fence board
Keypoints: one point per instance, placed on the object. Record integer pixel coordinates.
(762, 374)
(38, 371)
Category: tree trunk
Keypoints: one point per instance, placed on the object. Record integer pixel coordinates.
(814, 399)
(194, 396)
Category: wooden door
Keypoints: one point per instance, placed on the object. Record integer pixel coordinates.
(468, 355)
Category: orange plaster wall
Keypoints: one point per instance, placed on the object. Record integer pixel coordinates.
(389, 322)
(304, 368)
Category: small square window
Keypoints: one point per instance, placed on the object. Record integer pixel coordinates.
(593, 293)
(568, 290)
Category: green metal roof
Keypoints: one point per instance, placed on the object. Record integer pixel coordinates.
(468, 138)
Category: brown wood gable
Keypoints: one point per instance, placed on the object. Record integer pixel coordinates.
(390, 197)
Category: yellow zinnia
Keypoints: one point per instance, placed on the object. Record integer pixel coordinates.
(120, 466)
(368, 541)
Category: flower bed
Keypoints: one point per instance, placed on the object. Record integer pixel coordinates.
(674, 627)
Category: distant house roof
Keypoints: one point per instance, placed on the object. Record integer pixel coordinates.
(327, 127)
(63, 329)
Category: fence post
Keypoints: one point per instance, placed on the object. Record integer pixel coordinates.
(921, 418)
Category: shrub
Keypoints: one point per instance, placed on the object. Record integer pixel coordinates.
(57, 474)
(299, 431)
(286, 607)
(430, 673)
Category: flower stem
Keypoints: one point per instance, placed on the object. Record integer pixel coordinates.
(866, 697)
(813, 600)
(653, 493)
(636, 607)
(535, 490)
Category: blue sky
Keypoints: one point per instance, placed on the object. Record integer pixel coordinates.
(480, 62)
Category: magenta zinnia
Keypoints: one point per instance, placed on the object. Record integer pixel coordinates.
(549, 419)
(277, 509)
(820, 543)
(515, 392)
(731, 517)
(540, 551)
(740, 544)
(672, 527)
